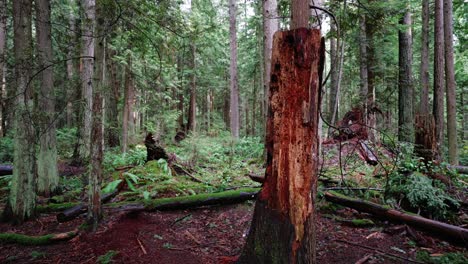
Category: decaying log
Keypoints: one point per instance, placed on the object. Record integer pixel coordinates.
(12, 238)
(454, 234)
(352, 125)
(459, 169)
(154, 151)
(6, 170)
(366, 152)
(193, 201)
(82, 208)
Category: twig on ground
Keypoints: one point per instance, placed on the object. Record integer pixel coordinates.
(141, 246)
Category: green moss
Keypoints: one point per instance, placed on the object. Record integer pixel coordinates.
(362, 222)
(21, 239)
(153, 204)
(107, 258)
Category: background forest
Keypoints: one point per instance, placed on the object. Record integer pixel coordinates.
(87, 86)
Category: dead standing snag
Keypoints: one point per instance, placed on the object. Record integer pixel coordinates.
(283, 225)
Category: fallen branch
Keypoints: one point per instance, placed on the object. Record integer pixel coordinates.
(367, 154)
(82, 208)
(459, 169)
(187, 202)
(6, 170)
(352, 189)
(12, 238)
(454, 234)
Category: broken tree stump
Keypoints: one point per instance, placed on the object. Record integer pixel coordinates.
(153, 150)
(283, 225)
(454, 234)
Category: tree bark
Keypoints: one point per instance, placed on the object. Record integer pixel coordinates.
(283, 225)
(129, 94)
(70, 65)
(47, 160)
(425, 137)
(334, 68)
(300, 12)
(3, 38)
(371, 76)
(424, 69)
(192, 115)
(270, 26)
(405, 80)
(87, 77)
(450, 84)
(438, 105)
(234, 102)
(22, 200)
(363, 71)
(445, 231)
(97, 128)
(112, 98)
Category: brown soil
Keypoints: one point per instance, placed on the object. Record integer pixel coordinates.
(206, 235)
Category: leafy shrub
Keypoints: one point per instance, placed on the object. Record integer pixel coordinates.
(450, 258)
(114, 158)
(66, 139)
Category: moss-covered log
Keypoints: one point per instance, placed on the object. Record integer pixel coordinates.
(193, 201)
(12, 238)
(283, 225)
(55, 207)
(455, 234)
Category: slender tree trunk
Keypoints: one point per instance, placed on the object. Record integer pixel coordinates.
(334, 64)
(87, 76)
(192, 116)
(112, 98)
(234, 102)
(363, 63)
(283, 225)
(270, 26)
(371, 74)
(47, 160)
(424, 70)
(3, 37)
(127, 119)
(180, 92)
(22, 200)
(438, 106)
(405, 83)
(70, 67)
(450, 84)
(97, 132)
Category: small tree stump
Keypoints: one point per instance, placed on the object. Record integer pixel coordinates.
(154, 151)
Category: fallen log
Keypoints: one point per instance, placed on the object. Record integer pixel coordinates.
(367, 153)
(193, 201)
(12, 238)
(451, 233)
(6, 170)
(459, 169)
(82, 208)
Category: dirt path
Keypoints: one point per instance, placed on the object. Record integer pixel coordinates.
(207, 235)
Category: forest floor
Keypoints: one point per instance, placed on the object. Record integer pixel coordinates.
(208, 235)
(216, 234)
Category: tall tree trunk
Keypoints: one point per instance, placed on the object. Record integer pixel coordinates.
(192, 115)
(112, 97)
(424, 70)
(180, 92)
(450, 84)
(334, 65)
(70, 66)
(270, 26)
(283, 225)
(3, 36)
(47, 160)
(371, 74)
(405, 80)
(300, 13)
(438, 106)
(129, 94)
(363, 63)
(97, 131)
(234, 102)
(87, 76)
(22, 200)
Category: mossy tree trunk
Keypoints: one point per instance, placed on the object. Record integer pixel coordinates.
(3, 38)
(283, 225)
(22, 201)
(47, 157)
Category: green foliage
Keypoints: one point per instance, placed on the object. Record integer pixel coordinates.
(114, 158)
(107, 258)
(6, 150)
(66, 139)
(449, 258)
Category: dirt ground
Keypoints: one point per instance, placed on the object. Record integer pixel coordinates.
(205, 235)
